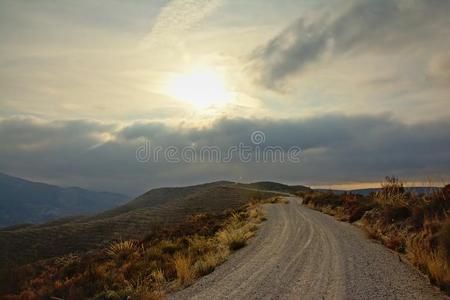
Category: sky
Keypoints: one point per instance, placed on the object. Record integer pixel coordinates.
(362, 87)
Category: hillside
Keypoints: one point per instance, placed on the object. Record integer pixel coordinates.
(143, 216)
(23, 201)
(275, 186)
(160, 196)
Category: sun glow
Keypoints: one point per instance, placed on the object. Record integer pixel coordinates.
(201, 88)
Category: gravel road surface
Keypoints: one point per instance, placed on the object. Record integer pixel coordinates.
(300, 253)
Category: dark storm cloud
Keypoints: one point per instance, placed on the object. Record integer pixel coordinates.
(336, 148)
(356, 26)
(29, 133)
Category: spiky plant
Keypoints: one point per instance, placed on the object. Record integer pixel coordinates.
(121, 250)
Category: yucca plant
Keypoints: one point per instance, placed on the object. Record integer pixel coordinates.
(121, 250)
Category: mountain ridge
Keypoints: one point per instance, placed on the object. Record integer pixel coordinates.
(24, 201)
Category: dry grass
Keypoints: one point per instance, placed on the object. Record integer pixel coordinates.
(256, 213)
(276, 199)
(239, 230)
(183, 266)
(158, 276)
(430, 259)
(439, 269)
(338, 212)
(392, 193)
(208, 263)
(233, 236)
(142, 290)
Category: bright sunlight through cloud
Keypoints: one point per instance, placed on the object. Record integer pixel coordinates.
(202, 88)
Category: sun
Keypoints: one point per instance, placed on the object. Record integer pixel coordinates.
(202, 88)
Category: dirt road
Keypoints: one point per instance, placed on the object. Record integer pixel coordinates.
(302, 254)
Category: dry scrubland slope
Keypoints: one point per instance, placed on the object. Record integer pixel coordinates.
(140, 217)
(140, 269)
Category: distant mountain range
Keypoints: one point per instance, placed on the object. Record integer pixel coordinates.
(23, 201)
(416, 190)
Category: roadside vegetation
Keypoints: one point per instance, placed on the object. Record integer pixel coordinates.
(165, 261)
(415, 225)
(275, 200)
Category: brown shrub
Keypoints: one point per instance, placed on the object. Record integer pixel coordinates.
(357, 212)
(169, 247)
(392, 193)
(446, 191)
(438, 203)
(393, 214)
(396, 243)
(444, 240)
(417, 217)
(319, 199)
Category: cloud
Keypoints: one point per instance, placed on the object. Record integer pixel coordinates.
(360, 27)
(32, 134)
(177, 17)
(439, 67)
(337, 148)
